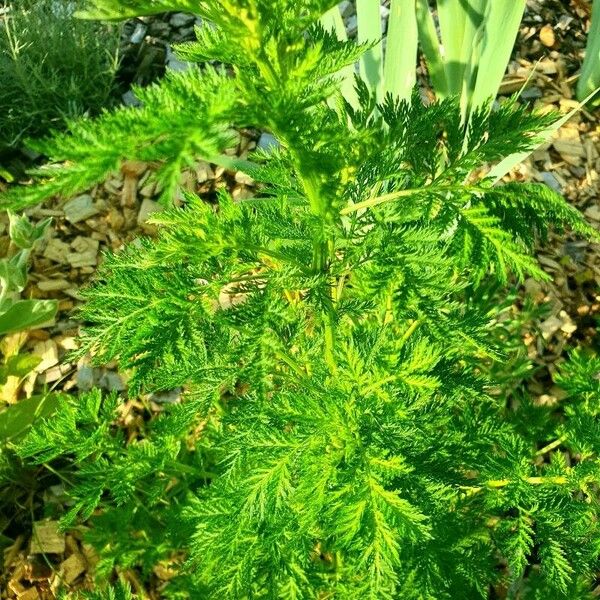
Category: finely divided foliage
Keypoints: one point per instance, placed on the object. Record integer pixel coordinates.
(338, 437)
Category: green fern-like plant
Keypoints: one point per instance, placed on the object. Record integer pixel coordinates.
(337, 437)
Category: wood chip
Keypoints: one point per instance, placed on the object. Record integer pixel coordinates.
(204, 172)
(132, 171)
(53, 285)
(593, 212)
(80, 209)
(47, 539)
(86, 252)
(133, 168)
(57, 251)
(148, 207)
(67, 342)
(16, 587)
(243, 178)
(55, 373)
(48, 351)
(550, 326)
(73, 567)
(30, 594)
(571, 151)
(547, 36)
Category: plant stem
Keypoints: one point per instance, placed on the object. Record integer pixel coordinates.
(410, 192)
(323, 247)
(495, 484)
(551, 446)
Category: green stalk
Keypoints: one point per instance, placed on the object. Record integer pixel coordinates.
(497, 484)
(470, 55)
(319, 206)
(376, 201)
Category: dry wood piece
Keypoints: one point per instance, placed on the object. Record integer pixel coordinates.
(30, 594)
(72, 567)
(148, 207)
(80, 209)
(53, 285)
(47, 539)
(57, 251)
(571, 151)
(547, 36)
(132, 171)
(86, 252)
(48, 352)
(204, 172)
(593, 212)
(15, 586)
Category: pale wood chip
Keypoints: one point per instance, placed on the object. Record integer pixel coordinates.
(48, 351)
(571, 151)
(55, 373)
(47, 539)
(593, 212)
(146, 210)
(134, 168)
(243, 179)
(73, 567)
(80, 208)
(547, 36)
(129, 192)
(550, 326)
(67, 342)
(82, 259)
(53, 285)
(57, 251)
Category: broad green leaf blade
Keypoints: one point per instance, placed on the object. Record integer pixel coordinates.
(501, 27)
(369, 31)
(332, 21)
(13, 273)
(23, 233)
(26, 314)
(472, 48)
(432, 50)
(510, 162)
(401, 50)
(19, 365)
(589, 79)
(453, 16)
(18, 418)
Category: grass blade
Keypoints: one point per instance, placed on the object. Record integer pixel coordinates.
(589, 79)
(472, 50)
(401, 51)
(453, 16)
(369, 30)
(332, 21)
(432, 50)
(510, 162)
(501, 26)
